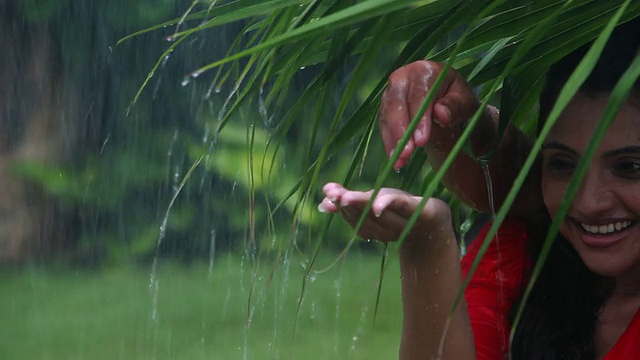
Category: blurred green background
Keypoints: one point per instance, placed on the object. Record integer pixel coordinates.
(113, 271)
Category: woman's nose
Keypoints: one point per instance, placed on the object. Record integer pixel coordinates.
(594, 195)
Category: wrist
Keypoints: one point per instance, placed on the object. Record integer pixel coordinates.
(429, 246)
(483, 140)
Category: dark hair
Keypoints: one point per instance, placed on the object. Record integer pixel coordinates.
(616, 57)
(560, 317)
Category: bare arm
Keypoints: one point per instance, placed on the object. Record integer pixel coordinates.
(429, 263)
(440, 128)
(431, 279)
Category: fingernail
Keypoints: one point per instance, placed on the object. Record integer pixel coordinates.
(419, 134)
(322, 209)
(344, 202)
(391, 153)
(377, 214)
(447, 114)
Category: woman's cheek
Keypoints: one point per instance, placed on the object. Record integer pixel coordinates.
(552, 192)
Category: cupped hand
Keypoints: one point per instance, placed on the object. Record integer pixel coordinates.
(389, 213)
(407, 88)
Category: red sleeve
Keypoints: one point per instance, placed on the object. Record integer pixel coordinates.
(494, 286)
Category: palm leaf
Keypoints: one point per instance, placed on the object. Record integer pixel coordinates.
(503, 46)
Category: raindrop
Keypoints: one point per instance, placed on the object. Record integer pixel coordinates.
(154, 286)
(302, 67)
(313, 310)
(195, 74)
(212, 251)
(176, 179)
(185, 81)
(170, 38)
(164, 60)
(262, 109)
(104, 143)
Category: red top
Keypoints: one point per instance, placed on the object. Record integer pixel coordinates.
(628, 345)
(496, 285)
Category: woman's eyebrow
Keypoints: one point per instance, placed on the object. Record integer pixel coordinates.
(632, 149)
(558, 146)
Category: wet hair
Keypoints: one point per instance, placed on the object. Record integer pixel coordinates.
(560, 318)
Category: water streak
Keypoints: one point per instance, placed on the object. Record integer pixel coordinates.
(500, 275)
(336, 331)
(212, 251)
(489, 183)
(262, 109)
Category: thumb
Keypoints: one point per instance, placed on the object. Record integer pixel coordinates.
(456, 106)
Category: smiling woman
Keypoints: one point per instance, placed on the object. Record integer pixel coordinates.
(601, 224)
(585, 302)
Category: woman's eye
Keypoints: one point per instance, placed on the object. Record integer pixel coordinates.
(560, 164)
(628, 167)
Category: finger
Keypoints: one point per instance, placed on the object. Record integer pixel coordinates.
(334, 191)
(457, 105)
(442, 114)
(387, 227)
(420, 84)
(355, 198)
(327, 206)
(394, 117)
(331, 185)
(389, 202)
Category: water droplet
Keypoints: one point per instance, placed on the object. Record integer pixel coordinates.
(185, 81)
(170, 38)
(195, 74)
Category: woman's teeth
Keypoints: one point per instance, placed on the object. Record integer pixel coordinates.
(605, 229)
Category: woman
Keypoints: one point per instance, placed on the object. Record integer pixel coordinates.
(585, 303)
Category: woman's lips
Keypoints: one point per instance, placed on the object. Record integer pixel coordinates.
(603, 235)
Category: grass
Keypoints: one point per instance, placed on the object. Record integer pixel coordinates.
(201, 312)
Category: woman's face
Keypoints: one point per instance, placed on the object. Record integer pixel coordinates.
(603, 222)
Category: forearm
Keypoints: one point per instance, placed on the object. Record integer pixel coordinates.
(431, 280)
(466, 177)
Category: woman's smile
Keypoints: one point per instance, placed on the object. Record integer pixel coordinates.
(603, 234)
